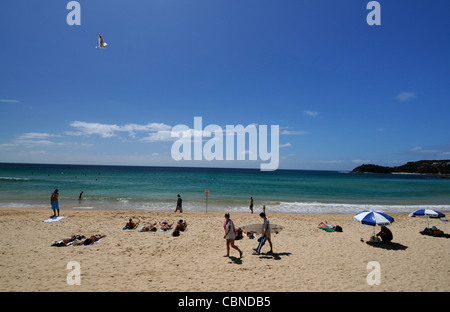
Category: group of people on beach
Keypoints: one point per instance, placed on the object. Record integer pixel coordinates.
(152, 226)
(231, 234)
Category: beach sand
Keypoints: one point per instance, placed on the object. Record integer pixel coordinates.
(305, 258)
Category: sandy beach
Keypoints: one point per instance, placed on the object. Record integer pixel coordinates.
(305, 258)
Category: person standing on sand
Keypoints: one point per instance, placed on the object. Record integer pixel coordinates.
(54, 203)
(251, 204)
(230, 235)
(179, 204)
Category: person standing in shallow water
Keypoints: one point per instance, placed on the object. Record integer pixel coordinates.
(251, 204)
(179, 204)
(54, 202)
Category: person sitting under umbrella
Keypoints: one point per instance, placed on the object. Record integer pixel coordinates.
(385, 234)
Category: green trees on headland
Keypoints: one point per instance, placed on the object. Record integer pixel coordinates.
(437, 167)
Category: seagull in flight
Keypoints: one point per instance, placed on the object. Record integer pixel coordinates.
(101, 44)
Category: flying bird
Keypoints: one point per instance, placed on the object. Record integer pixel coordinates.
(101, 44)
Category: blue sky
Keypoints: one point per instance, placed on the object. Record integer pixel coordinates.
(342, 92)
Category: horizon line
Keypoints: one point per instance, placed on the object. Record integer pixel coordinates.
(174, 167)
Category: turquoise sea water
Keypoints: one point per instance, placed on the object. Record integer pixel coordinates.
(156, 188)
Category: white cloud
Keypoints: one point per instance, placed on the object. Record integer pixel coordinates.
(111, 130)
(38, 140)
(311, 113)
(405, 96)
(89, 128)
(151, 132)
(36, 135)
(430, 151)
(32, 139)
(289, 132)
(7, 146)
(9, 101)
(285, 145)
(161, 136)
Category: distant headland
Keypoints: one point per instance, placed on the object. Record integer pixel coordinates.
(432, 167)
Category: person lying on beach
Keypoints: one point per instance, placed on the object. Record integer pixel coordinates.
(91, 240)
(325, 224)
(148, 227)
(67, 241)
(131, 224)
(434, 231)
(181, 225)
(165, 226)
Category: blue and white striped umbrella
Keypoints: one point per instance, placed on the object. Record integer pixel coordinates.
(370, 217)
(430, 213)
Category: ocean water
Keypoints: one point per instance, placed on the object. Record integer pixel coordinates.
(156, 188)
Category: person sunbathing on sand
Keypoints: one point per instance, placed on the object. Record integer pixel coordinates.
(148, 227)
(93, 239)
(131, 224)
(181, 225)
(325, 224)
(67, 241)
(166, 226)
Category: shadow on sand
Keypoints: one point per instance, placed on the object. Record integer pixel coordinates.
(388, 246)
(235, 260)
(274, 255)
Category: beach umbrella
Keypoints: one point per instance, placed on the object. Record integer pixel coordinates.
(373, 218)
(427, 213)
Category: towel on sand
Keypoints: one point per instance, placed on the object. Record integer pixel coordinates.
(54, 219)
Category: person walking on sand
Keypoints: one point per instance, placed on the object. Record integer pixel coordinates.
(230, 235)
(251, 204)
(54, 203)
(265, 234)
(179, 204)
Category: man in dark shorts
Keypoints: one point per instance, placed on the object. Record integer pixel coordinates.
(179, 204)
